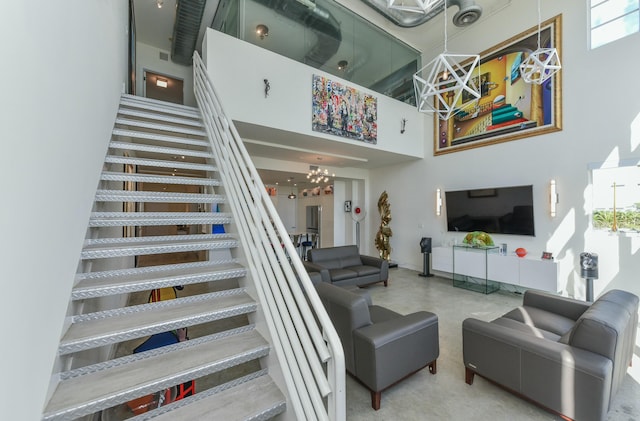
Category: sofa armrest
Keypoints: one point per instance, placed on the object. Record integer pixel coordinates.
(567, 307)
(377, 262)
(566, 379)
(381, 349)
(314, 267)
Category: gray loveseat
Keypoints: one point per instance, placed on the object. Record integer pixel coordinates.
(567, 356)
(344, 265)
(381, 347)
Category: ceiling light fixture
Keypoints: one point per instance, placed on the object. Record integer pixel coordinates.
(318, 175)
(541, 64)
(262, 31)
(342, 64)
(292, 194)
(162, 83)
(439, 85)
(159, 3)
(416, 6)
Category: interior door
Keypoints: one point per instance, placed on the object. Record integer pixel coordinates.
(164, 88)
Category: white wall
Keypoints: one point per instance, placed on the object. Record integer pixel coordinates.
(65, 69)
(600, 105)
(148, 58)
(288, 107)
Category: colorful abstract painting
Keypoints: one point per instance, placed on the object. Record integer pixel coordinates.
(344, 111)
(508, 108)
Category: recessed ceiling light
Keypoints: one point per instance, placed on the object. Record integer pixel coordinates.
(342, 64)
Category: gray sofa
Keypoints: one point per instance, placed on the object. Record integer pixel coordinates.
(381, 347)
(344, 265)
(565, 355)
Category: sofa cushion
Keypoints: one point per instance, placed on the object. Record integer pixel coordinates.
(514, 324)
(364, 270)
(541, 319)
(350, 260)
(380, 314)
(341, 274)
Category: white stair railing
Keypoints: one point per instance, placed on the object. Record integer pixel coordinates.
(305, 341)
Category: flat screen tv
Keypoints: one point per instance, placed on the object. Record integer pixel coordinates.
(501, 210)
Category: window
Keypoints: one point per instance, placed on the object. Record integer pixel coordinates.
(616, 198)
(613, 19)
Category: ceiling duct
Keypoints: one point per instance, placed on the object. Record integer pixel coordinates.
(319, 20)
(186, 29)
(468, 13)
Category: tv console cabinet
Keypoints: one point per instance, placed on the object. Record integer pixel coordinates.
(486, 265)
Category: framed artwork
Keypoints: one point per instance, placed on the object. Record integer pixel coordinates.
(508, 108)
(344, 111)
(547, 255)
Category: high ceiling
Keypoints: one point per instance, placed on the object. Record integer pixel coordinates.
(154, 27)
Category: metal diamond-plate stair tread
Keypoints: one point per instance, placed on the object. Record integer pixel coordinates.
(136, 134)
(159, 179)
(114, 219)
(118, 247)
(194, 122)
(119, 383)
(142, 147)
(114, 159)
(144, 279)
(260, 399)
(139, 102)
(111, 326)
(157, 126)
(154, 196)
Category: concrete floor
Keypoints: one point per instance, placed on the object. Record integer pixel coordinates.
(445, 396)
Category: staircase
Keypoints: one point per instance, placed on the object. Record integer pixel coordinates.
(163, 147)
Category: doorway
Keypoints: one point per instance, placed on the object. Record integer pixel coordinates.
(163, 87)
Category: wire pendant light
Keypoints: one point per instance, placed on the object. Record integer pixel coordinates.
(541, 64)
(440, 84)
(416, 6)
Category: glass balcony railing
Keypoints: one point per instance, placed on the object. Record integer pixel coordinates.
(325, 35)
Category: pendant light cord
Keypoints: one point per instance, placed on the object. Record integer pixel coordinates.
(539, 22)
(445, 26)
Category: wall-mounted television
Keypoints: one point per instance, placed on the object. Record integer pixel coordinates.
(499, 210)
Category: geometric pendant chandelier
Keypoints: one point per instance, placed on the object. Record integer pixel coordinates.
(417, 6)
(541, 64)
(440, 84)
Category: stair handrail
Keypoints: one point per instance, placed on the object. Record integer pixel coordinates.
(307, 346)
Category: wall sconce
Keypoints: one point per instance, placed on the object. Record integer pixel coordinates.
(438, 202)
(403, 124)
(267, 87)
(553, 198)
(262, 31)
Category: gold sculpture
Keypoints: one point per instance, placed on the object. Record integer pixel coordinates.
(382, 237)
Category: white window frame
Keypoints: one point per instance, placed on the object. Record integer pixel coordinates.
(613, 19)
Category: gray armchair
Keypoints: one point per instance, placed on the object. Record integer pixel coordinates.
(381, 347)
(567, 356)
